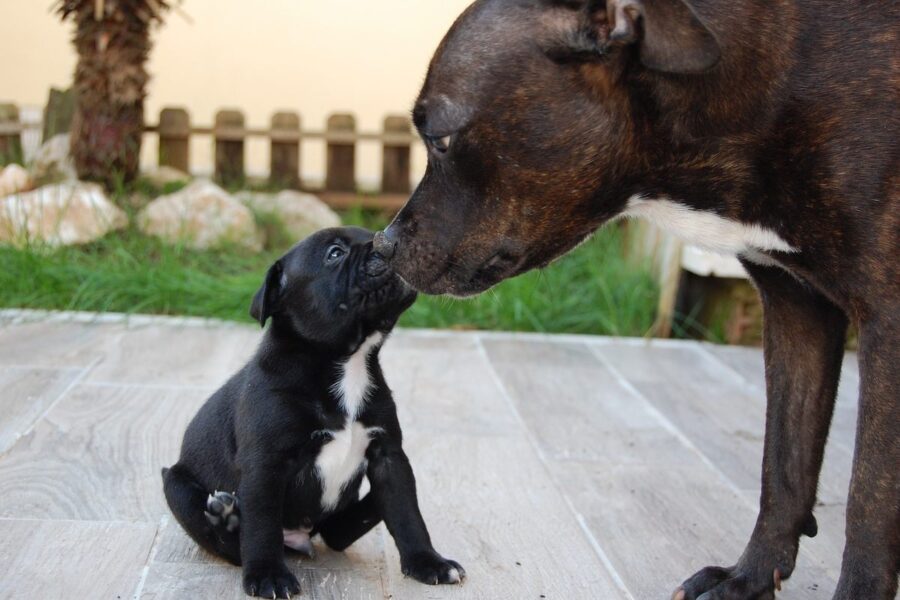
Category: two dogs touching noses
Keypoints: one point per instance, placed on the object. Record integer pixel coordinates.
(765, 129)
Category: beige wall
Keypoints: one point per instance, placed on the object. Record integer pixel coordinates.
(314, 57)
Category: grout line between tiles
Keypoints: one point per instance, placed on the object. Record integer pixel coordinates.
(591, 539)
(75, 381)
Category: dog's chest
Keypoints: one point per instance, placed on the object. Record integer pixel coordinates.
(708, 230)
(340, 460)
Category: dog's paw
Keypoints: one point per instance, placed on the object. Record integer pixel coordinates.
(432, 568)
(222, 511)
(731, 583)
(270, 581)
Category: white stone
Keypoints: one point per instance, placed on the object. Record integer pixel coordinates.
(14, 178)
(201, 216)
(164, 175)
(301, 214)
(53, 161)
(60, 214)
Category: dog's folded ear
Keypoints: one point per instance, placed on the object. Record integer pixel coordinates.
(265, 302)
(670, 37)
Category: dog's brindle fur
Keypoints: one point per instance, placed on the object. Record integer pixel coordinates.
(776, 119)
(294, 431)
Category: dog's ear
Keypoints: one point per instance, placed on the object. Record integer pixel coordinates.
(669, 35)
(265, 302)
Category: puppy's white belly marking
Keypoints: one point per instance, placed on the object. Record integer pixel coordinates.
(341, 459)
(708, 230)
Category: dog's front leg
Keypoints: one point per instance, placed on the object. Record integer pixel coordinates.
(872, 554)
(804, 341)
(394, 491)
(261, 492)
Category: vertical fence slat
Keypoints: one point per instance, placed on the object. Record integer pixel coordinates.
(10, 143)
(395, 165)
(340, 175)
(58, 113)
(229, 146)
(284, 157)
(174, 138)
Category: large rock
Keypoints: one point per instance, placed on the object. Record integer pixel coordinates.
(14, 178)
(61, 214)
(202, 216)
(53, 161)
(164, 175)
(301, 214)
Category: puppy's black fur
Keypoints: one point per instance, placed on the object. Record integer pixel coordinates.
(294, 432)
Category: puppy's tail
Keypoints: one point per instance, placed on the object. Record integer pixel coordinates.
(187, 501)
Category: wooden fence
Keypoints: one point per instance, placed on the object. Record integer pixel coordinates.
(285, 133)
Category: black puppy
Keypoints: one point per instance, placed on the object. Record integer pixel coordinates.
(294, 432)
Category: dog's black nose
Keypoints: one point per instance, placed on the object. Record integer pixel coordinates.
(384, 244)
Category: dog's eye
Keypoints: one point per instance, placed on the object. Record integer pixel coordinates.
(439, 144)
(334, 252)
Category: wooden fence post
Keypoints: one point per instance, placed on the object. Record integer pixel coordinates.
(11, 140)
(284, 156)
(228, 132)
(58, 113)
(395, 157)
(340, 174)
(174, 138)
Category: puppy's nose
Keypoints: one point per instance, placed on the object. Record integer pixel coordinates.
(385, 243)
(376, 265)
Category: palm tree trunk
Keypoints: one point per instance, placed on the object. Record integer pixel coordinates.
(112, 39)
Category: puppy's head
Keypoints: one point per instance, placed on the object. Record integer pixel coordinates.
(332, 289)
(531, 132)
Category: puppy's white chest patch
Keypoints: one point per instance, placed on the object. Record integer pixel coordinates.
(707, 230)
(342, 458)
(352, 388)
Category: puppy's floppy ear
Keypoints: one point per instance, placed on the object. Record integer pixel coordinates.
(265, 302)
(670, 37)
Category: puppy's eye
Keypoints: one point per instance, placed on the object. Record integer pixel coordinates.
(439, 144)
(334, 252)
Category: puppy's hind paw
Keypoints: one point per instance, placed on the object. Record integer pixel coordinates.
(222, 511)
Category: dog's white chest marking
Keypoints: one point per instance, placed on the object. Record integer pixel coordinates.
(341, 458)
(708, 230)
(353, 386)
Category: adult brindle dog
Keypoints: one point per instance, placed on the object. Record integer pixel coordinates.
(764, 128)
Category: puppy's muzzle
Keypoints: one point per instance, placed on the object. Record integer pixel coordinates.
(376, 265)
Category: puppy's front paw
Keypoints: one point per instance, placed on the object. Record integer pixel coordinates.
(222, 511)
(270, 581)
(432, 568)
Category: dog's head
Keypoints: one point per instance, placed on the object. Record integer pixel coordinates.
(528, 124)
(332, 289)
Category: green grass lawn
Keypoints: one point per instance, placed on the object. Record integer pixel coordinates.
(592, 290)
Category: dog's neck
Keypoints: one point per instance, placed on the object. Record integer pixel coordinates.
(283, 347)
